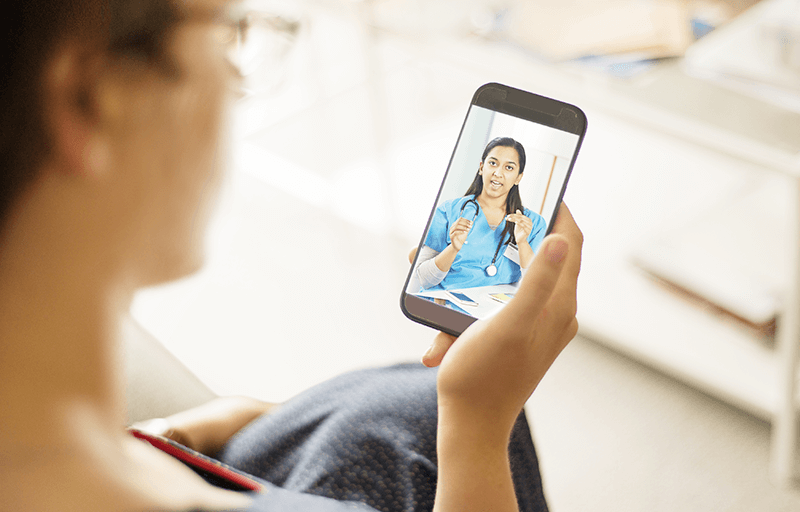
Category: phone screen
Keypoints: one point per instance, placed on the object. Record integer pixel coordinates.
(498, 199)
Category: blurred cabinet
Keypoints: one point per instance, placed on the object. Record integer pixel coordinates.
(623, 309)
(618, 305)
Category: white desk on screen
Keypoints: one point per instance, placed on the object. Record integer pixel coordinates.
(487, 306)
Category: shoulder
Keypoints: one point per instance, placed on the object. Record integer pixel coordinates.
(535, 217)
(453, 205)
(455, 202)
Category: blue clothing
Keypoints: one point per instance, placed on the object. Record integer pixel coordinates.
(469, 268)
(364, 441)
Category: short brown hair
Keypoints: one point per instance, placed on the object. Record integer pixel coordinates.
(30, 32)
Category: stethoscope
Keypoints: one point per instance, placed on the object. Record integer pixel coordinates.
(491, 270)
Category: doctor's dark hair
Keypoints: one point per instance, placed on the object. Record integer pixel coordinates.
(31, 32)
(513, 200)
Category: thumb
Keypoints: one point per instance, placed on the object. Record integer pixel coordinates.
(540, 279)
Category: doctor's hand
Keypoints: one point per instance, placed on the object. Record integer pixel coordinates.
(489, 372)
(522, 226)
(459, 232)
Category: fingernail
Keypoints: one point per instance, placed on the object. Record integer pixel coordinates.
(556, 251)
(427, 354)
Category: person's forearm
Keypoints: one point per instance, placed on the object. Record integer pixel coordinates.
(427, 274)
(526, 254)
(474, 470)
(444, 260)
(208, 427)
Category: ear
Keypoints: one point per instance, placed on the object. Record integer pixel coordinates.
(519, 178)
(70, 112)
(480, 168)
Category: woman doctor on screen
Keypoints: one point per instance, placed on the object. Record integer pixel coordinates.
(487, 236)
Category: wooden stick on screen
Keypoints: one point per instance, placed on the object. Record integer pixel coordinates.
(549, 178)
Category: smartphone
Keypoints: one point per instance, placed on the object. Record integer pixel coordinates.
(462, 299)
(505, 180)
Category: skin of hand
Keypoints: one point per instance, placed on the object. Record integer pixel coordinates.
(522, 230)
(206, 428)
(526, 335)
(458, 236)
(522, 225)
(459, 232)
(487, 374)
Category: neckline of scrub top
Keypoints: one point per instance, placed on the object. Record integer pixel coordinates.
(480, 214)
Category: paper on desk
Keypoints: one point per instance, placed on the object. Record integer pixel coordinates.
(567, 29)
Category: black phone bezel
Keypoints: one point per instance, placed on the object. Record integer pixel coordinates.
(518, 103)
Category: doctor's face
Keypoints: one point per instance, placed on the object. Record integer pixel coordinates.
(500, 171)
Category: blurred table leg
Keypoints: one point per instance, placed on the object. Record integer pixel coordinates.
(784, 429)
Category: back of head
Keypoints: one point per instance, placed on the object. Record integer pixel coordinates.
(31, 33)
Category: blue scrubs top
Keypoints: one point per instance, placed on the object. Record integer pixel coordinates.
(469, 268)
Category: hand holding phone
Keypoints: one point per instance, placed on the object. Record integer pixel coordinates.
(488, 373)
(498, 362)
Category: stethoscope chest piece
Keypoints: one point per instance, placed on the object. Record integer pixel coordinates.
(491, 270)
